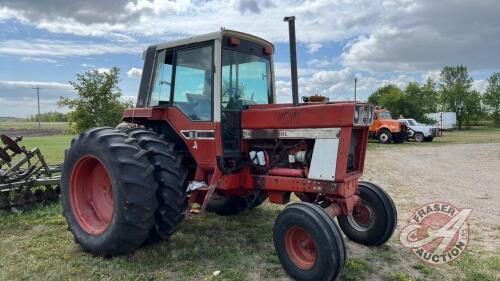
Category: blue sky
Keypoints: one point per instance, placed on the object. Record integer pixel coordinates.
(47, 42)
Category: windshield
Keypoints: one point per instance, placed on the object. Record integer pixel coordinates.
(385, 115)
(246, 79)
(412, 122)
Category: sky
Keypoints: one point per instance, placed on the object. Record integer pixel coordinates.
(46, 43)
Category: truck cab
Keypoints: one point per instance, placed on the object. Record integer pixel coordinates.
(385, 129)
(417, 131)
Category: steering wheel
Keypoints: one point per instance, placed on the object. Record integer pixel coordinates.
(231, 93)
(11, 144)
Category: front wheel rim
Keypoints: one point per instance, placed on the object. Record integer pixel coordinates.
(91, 195)
(362, 217)
(300, 247)
(384, 137)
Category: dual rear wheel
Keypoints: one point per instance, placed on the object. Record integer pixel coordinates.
(119, 188)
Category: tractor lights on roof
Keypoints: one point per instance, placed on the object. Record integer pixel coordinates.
(234, 42)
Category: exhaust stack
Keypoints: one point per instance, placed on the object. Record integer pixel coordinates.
(293, 59)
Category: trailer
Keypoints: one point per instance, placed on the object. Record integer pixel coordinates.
(444, 120)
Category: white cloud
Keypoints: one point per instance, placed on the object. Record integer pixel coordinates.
(480, 85)
(313, 47)
(103, 70)
(428, 34)
(31, 84)
(87, 65)
(322, 63)
(59, 48)
(35, 59)
(317, 21)
(134, 73)
(282, 70)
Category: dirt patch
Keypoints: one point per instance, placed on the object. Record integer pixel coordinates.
(32, 132)
(465, 175)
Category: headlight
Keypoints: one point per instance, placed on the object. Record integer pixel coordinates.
(363, 114)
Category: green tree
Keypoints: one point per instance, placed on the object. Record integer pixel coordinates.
(491, 97)
(413, 102)
(389, 96)
(98, 102)
(429, 96)
(457, 95)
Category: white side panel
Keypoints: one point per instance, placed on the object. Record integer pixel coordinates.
(324, 159)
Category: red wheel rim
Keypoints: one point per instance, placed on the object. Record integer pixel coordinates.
(91, 195)
(300, 247)
(362, 217)
(362, 214)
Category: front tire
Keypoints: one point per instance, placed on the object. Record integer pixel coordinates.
(419, 137)
(384, 136)
(108, 192)
(374, 220)
(308, 243)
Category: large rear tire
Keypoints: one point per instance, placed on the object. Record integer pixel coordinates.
(108, 192)
(170, 174)
(374, 220)
(308, 243)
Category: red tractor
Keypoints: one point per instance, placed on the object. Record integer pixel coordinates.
(208, 135)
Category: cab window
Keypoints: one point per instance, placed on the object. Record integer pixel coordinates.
(246, 80)
(193, 82)
(160, 90)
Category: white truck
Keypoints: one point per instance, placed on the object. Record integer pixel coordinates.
(444, 120)
(417, 131)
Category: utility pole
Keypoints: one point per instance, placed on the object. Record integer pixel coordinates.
(355, 86)
(38, 103)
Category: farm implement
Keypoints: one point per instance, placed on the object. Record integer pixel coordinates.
(25, 177)
(207, 135)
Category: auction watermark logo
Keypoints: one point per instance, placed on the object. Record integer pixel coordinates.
(437, 233)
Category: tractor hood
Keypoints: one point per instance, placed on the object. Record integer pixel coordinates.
(285, 116)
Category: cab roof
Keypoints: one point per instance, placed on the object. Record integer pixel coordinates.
(215, 36)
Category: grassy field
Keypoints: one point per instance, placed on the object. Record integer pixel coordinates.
(33, 125)
(52, 147)
(470, 135)
(35, 244)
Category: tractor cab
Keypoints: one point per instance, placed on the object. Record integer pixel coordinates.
(206, 81)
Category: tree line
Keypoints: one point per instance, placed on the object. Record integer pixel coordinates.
(50, 117)
(452, 92)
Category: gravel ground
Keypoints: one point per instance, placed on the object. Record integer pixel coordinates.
(465, 175)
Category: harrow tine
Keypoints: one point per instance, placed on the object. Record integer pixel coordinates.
(4, 201)
(40, 196)
(51, 193)
(28, 196)
(17, 199)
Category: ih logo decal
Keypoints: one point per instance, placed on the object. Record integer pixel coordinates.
(437, 233)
